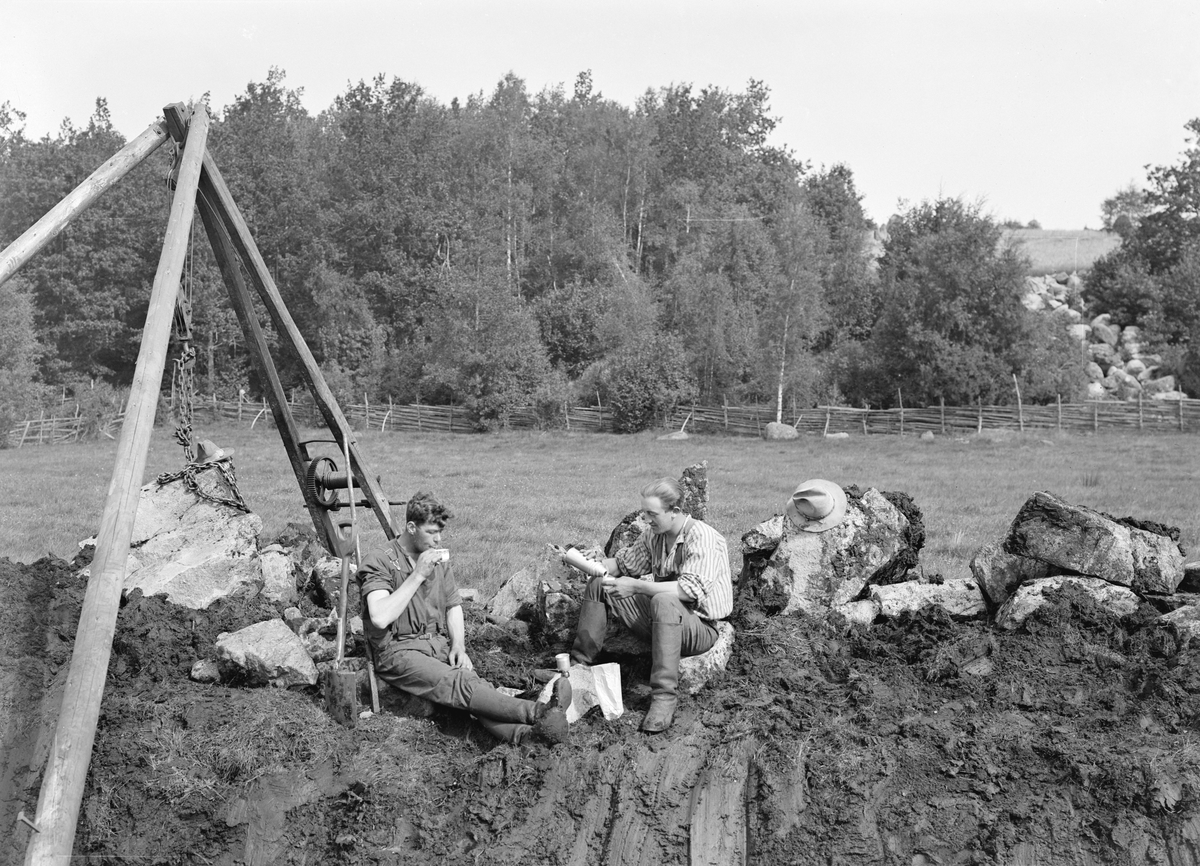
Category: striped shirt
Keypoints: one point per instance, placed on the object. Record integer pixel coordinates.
(699, 560)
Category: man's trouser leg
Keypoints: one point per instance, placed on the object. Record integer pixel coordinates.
(435, 680)
(593, 623)
(674, 632)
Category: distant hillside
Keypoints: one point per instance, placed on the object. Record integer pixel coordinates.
(1052, 250)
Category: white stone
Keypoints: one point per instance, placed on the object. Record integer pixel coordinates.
(1033, 301)
(517, 597)
(960, 597)
(1135, 368)
(206, 671)
(1168, 395)
(191, 550)
(1080, 332)
(1095, 390)
(1106, 334)
(1161, 385)
(1186, 620)
(696, 671)
(862, 612)
(840, 435)
(270, 652)
(1031, 596)
(278, 583)
(775, 430)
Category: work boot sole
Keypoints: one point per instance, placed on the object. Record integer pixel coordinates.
(552, 726)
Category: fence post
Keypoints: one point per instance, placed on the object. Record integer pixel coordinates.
(942, 403)
(725, 410)
(979, 423)
(900, 397)
(866, 413)
(1058, 402)
(1095, 417)
(214, 406)
(25, 432)
(41, 425)
(826, 432)
(418, 413)
(366, 411)
(1139, 410)
(1181, 414)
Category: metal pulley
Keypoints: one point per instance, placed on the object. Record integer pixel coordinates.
(324, 480)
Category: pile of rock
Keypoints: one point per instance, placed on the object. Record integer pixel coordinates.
(1052, 544)
(1118, 368)
(1059, 293)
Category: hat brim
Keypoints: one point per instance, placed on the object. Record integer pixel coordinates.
(222, 454)
(830, 520)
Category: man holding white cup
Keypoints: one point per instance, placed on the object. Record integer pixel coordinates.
(414, 622)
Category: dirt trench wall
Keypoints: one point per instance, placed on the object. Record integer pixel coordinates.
(923, 740)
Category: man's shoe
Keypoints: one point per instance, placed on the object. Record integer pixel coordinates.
(561, 696)
(551, 724)
(660, 715)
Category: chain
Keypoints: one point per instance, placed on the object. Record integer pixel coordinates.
(189, 472)
(183, 369)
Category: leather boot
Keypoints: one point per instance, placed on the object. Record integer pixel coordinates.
(665, 642)
(590, 633)
(488, 703)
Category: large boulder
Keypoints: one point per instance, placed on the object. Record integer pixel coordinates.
(960, 597)
(775, 431)
(1032, 595)
(818, 571)
(1106, 334)
(1161, 385)
(696, 671)
(1102, 354)
(998, 573)
(1185, 620)
(1077, 539)
(517, 597)
(1094, 372)
(268, 652)
(192, 550)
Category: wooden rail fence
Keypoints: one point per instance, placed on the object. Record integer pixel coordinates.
(1148, 416)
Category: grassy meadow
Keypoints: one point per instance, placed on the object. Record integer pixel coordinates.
(513, 492)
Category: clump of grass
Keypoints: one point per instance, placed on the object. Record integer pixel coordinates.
(1090, 479)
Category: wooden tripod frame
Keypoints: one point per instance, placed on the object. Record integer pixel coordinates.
(198, 186)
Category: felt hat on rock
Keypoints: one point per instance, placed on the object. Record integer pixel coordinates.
(817, 505)
(209, 452)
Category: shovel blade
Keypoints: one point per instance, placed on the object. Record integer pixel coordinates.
(341, 696)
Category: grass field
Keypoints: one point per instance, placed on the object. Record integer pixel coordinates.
(514, 492)
(1054, 250)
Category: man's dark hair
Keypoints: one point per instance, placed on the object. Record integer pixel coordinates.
(425, 508)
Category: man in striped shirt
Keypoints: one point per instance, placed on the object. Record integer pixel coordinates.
(688, 590)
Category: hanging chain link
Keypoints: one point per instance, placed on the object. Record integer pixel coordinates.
(189, 473)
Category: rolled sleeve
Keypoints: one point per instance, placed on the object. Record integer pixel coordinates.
(374, 573)
(450, 595)
(704, 573)
(636, 560)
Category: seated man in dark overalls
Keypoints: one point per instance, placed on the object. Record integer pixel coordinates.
(415, 625)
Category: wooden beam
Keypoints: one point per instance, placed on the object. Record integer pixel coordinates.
(256, 343)
(71, 749)
(59, 217)
(217, 193)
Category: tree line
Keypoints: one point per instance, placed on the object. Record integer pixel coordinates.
(516, 247)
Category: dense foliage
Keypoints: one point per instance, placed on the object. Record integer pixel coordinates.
(1153, 279)
(518, 248)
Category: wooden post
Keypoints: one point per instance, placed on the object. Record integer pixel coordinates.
(219, 196)
(239, 406)
(418, 413)
(900, 397)
(60, 216)
(366, 410)
(1095, 417)
(75, 731)
(866, 414)
(41, 424)
(979, 423)
(383, 426)
(1058, 402)
(826, 433)
(1020, 414)
(256, 344)
(1181, 414)
(1139, 410)
(942, 403)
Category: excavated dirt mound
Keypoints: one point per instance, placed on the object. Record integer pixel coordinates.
(920, 741)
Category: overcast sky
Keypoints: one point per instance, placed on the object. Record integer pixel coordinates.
(1041, 108)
